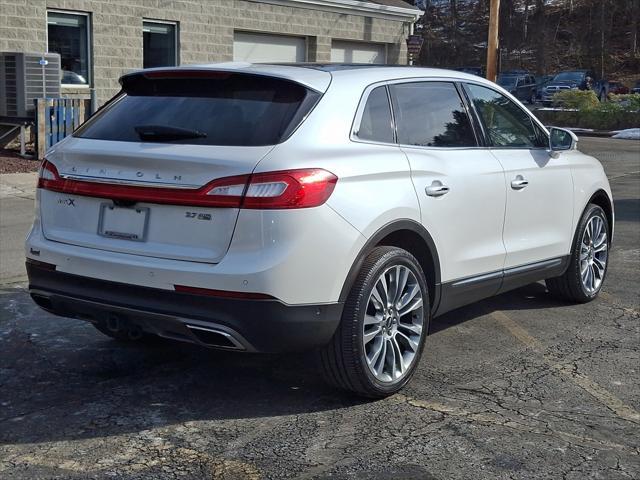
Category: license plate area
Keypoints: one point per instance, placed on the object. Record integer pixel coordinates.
(124, 223)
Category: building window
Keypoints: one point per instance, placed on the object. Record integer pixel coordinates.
(160, 44)
(68, 35)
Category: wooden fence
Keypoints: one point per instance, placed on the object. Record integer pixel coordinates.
(57, 118)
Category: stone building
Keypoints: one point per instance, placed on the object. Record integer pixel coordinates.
(99, 40)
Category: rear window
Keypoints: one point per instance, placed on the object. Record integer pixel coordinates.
(202, 108)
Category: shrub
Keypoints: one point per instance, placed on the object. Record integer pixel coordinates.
(584, 110)
(578, 99)
(607, 117)
(629, 101)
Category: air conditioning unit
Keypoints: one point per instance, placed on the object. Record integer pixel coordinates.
(25, 77)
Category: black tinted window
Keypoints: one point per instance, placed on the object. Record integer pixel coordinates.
(376, 123)
(223, 109)
(506, 124)
(431, 114)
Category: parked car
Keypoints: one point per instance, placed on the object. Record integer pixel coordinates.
(541, 82)
(574, 80)
(618, 88)
(478, 71)
(267, 208)
(521, 86)
(636, 88)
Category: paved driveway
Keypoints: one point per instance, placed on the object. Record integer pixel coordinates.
(520, 386)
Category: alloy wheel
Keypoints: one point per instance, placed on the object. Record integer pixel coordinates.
(393, 324)
(594, 250)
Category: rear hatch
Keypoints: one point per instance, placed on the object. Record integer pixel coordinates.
(148, 174)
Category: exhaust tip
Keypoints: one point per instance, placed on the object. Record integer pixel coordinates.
(215, 338)
(42, 301)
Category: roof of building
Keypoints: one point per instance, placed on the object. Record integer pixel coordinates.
(393, 3)
(390, 9)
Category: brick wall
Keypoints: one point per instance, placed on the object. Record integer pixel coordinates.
(205, 30)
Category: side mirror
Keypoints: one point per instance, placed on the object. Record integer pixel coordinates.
(561, 139)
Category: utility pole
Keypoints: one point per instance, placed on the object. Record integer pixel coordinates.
(492, 43)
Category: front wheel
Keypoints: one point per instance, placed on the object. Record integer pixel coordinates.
(378, 344)
(589, 259)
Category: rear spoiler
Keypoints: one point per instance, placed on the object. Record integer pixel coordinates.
(311, 78)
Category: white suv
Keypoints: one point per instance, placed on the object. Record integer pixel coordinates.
(329, 207)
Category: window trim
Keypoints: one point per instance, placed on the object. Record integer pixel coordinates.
(355, 125)
(478, 117)
(89, 40)
(461, 86)
(176, 38)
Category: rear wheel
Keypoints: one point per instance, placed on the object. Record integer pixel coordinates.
(378, 345)
(589, 259)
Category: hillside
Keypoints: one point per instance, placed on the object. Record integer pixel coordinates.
(543, 36)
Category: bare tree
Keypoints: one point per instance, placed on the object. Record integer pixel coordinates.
(634, 8)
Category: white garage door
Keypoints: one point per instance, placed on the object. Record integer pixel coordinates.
(261, 47)
(357, 52)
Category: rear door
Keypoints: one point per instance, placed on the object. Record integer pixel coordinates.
(459, 185)
(168, 136)
(539, 188)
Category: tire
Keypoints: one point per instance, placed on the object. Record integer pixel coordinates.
(345, 361)
(573, 286)
(123, 333)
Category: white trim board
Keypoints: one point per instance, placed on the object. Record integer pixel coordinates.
(353, 7)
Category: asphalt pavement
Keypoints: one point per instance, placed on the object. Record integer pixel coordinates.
(520, 386)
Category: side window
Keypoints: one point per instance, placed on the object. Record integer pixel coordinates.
(376, 124)
(431, 114)
(506, 124)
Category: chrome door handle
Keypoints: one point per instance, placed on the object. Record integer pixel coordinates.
(519, 183)
(436, 189)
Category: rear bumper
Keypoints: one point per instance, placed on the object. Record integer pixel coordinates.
(250, 325)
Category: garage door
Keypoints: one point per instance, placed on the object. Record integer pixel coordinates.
(357, 52)
(260, 47)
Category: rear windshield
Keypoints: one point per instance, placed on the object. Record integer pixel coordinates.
(204, 108)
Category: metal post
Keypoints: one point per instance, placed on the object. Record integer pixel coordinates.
(94, 102)
(410, 33)
(23, 149)
(492, 43)
(43, 63)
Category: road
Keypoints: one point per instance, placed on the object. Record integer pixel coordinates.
(17, 193)
(520, 386)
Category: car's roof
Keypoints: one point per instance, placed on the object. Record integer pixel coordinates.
(318, 76)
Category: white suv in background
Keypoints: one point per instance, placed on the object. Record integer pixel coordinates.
(330, 207)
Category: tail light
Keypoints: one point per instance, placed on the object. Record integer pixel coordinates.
(273, 190)
(289, 189)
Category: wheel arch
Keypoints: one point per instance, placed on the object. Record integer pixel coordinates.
(408, 235)
(602, 199)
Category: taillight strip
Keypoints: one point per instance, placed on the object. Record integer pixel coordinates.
(288, 189)
(152, 194)
(131, 183)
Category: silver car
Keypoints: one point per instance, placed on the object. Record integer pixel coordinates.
(333, 208)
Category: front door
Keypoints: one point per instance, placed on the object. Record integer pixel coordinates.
(539, 188)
